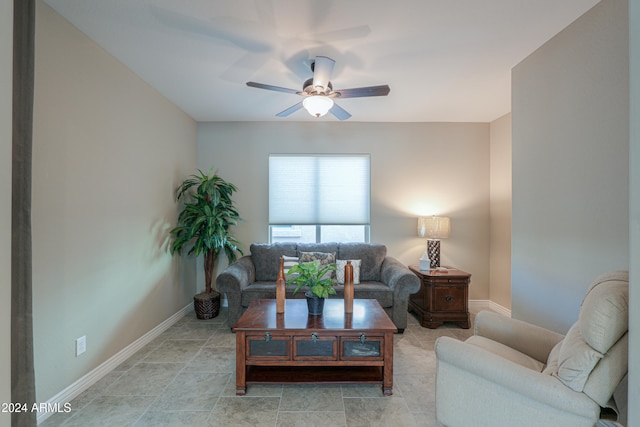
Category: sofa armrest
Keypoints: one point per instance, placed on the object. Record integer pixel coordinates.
(232, 281)
(402, 283)
(398, 277)
(237, 276)
(527, 338)
(480, 363)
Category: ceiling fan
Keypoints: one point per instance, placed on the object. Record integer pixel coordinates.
(319, 94)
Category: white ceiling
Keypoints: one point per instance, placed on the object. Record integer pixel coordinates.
(445, 60)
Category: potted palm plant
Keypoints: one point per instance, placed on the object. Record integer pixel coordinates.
(312, 275)
(203, 226)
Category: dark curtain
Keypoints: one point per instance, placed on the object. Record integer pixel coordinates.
(22, 372)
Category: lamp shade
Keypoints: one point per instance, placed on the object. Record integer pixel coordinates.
(434, 227)
(317, 105)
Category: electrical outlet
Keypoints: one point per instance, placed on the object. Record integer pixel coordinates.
(81, 345)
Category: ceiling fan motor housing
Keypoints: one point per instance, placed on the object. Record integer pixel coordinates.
(309, 89)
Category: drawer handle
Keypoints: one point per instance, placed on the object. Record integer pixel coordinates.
(448, 298)
(363, 338)
(449, 280)
(267, 337)
(314, 337)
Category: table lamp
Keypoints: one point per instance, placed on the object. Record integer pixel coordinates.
(434, 228)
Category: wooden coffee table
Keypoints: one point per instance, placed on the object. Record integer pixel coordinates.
(334, 348)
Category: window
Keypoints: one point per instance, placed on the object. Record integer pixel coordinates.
(319, 198)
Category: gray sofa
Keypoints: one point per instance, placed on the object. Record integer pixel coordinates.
(381, 277)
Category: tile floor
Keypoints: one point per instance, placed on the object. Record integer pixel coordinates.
(186, 377)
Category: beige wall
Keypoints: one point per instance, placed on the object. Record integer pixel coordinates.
(570, 115)
(500, 212)
(108, 153)
(634, 315)
(6, 61)
(416, 169)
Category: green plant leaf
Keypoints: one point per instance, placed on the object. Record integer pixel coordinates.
(310, 274)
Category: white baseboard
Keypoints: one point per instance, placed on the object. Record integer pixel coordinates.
(75, 389)
(479, 305)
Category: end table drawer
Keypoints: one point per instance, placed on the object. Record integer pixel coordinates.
(443, 281)
(449, 298)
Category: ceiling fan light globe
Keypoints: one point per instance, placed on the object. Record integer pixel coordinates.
(317, 105)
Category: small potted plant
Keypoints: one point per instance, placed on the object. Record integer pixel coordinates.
(204, 225)
(312, 275)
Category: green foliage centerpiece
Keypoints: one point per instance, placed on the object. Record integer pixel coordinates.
(312, 275)
(203, 225)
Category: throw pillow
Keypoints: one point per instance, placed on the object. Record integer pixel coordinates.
(576, 360)
(340, 263)
(323, 258)
(289, 261)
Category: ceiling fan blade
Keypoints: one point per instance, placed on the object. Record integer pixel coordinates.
(225, 29)
(270, 87)
(339, 35)
(339, 112)
(322, 69)
(290, 110)
(382, 90)
(244, 68)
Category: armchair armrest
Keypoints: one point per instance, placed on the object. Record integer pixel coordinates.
(527, 338)
(515, 378)
(237, 276)
(398, 277)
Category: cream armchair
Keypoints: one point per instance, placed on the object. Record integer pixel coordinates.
(512, 373)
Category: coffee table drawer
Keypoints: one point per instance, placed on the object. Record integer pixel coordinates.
(315, 348)
(362, 348)
(266, 347)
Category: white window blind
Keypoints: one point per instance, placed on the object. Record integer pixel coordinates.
(319, 189)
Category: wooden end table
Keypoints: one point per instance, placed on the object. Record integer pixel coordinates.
(333, 348)
(443, 297)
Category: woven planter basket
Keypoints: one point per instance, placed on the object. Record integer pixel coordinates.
(207, 306)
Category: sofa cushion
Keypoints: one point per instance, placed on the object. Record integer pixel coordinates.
(506, 352)
(266, 290)
(370, 290)
(341, 263)
(331, 247)
(266, 258)
(576, 360)
(552, 361)
(604, 315)
(608, 373)
(371, 256)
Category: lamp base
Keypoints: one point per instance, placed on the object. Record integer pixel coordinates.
(433, 249)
